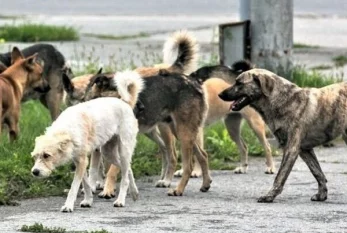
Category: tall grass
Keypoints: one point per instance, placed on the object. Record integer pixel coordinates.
(38, 32)
(304, 78)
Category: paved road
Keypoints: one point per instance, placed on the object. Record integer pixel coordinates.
(230, 205)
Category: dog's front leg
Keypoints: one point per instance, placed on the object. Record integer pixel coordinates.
(94, 168)
(81, 166)
(290, 154)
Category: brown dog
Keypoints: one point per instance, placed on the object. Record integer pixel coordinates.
(24, 73)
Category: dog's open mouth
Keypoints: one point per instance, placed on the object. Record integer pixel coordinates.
(238, 104)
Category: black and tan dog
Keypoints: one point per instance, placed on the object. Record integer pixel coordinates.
(216, 79)
(300, 118)
(54, 65)
(23, 74)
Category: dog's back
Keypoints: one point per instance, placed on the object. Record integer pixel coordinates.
(100, 120)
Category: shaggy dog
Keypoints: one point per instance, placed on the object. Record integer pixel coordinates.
(108, 123)
(300, 119)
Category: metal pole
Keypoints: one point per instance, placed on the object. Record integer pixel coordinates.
(245, 10)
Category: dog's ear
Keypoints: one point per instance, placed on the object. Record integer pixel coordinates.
(265, 82)
(68, 86)
(2, 67)
(16, 54)
(100, 71)
(64, 142)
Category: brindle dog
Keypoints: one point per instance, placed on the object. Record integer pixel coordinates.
(23, 74)
(300, 118)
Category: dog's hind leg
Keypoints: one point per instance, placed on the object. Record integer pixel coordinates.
(257, 124)
(81, 167)
(196, 166)
(202, 158)
(88, 194)
(233, 125)
(134, 192)
(125, 154)
(111, 179)
(311, 160)
(154, 136)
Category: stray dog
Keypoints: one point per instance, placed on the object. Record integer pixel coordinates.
(24, 73)
(108, 123)
(216, 79)
(54, 64)
(171, 99)
(181, 51)
(300, 118)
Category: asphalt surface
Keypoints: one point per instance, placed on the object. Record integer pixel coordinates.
(229, 206)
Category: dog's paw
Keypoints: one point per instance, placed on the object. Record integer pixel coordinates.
(319, 197)
(241, 170)
(270, 170)
(118, 203)
(174, 192)
(134, 195)
(99, 186)
(86, 204)
(204, 189)
(162, 184)
(196, 174)
(106, 195)
(178, 173)
(66, 209)
(266, 199)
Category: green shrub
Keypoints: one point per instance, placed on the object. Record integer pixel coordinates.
(38, 32)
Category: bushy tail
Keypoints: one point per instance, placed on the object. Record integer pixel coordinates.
(181, 50)
(129, 84)
(241, 66)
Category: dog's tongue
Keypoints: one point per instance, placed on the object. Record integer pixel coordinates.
(232, 104)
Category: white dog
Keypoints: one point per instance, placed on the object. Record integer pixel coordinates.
(105, 122)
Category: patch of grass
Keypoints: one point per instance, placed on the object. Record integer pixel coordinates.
(38, 32)
(322, 67)
(38, 227)
(114, 37)
(304, 46)
(340, 60)
(303, 78)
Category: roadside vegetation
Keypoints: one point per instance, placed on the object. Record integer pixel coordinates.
(39, 228)
(37, 32)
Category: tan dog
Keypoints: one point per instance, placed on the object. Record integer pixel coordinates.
(24, 73)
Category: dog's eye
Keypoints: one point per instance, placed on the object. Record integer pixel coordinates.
(46, 156)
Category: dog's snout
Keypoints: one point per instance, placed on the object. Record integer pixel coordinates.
(222, 95)
(36, 172)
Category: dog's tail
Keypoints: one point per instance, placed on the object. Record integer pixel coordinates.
(129, 84)
(181, 50)
(241, 66)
